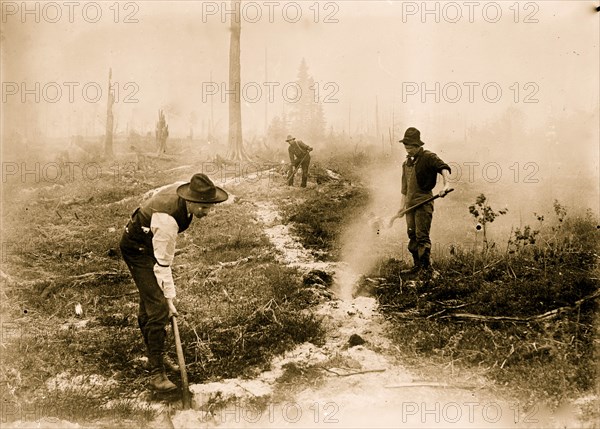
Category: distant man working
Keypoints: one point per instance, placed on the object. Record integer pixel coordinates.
(148, 248)
(299, 157)
(419, 176)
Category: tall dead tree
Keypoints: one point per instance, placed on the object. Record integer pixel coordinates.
(162, 132)
(236, 142)
(108, 140)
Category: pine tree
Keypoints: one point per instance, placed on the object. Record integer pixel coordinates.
(307, 115)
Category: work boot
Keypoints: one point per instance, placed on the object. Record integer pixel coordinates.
(427, 272)
(158, 378)
(425, 259)
(416, 268)
(160, 382)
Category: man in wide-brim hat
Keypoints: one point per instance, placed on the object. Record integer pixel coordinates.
(419, 177)
(299, 153)
(148, 248)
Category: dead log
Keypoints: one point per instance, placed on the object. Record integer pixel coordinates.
(545, 316)
(354, 373)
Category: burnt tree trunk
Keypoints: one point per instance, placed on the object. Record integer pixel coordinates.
(108, 141)
(162, 132)
(236, 142)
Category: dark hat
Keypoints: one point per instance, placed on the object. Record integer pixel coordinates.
(202, 190)
(412, 137)
(290, 138)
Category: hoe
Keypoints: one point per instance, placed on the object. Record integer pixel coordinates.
(186, 397)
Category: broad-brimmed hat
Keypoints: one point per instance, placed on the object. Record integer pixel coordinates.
(202, 190)
(290, 138)
(412, 137)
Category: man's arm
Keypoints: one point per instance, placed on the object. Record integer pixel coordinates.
(444, 170)
(402, 206)
(164, 229)
(403, 190)
(446, 178)
(304, 146)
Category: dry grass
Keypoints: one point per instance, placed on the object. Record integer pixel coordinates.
(238, 305)
(546, 360)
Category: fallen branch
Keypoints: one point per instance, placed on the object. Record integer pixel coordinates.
(487, 266)
(420, 384)
(119, 295)
(545, 316)
(354, 373)
(430, 384)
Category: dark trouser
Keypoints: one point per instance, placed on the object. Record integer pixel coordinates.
(304, 163)
(418, 225)
(153, 314)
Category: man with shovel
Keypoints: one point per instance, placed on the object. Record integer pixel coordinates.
(419, 176)
(148, 248)
(299, 157)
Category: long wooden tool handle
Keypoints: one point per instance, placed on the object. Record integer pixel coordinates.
(416, 206)
(186, 398)
(422, 203)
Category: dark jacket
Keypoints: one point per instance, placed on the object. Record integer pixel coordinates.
(298, 151)
(164, 201)
(427, 166)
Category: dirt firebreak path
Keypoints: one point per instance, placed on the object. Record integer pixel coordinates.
(362, 385)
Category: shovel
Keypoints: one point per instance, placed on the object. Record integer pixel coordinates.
(186, 397)
(416, 206)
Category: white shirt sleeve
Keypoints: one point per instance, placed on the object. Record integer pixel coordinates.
(164, 229)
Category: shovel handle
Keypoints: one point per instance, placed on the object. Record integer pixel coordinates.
(416, 206)
(186, 398)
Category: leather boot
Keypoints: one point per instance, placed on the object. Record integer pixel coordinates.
(161, 383)
(427, 271)
(425, 259)
(416, 268)
(158, 378)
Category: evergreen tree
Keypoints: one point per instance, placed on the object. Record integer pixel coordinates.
(307, 115)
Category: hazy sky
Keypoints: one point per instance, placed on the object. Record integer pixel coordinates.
(355, 50)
